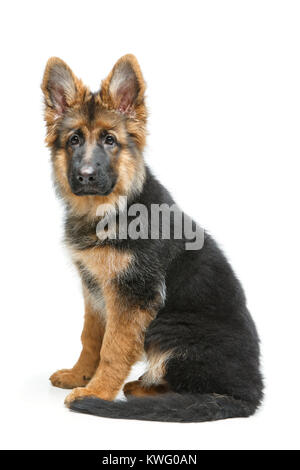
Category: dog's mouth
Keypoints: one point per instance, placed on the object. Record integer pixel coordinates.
(93, 191)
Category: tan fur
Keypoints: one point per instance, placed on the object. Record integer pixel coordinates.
(138, 389)
(123, 345)
(156, 367)
(131, 174)
(139, 114)
(119, 331)
(131, 171)
(104, 262)
(73, 100)
(125, 327)
(85, 367)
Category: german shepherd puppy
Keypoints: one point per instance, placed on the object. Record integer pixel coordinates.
(185, 309)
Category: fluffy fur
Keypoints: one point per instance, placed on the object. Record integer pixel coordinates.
(185, 309)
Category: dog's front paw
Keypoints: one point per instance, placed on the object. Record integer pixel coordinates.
(77, 394)
(68, 378)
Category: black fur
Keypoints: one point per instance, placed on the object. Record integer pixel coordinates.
(89, 280)
(214, 369)
(103, 178)
(187, 408)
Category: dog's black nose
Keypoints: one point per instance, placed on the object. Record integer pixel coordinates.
(86, 175)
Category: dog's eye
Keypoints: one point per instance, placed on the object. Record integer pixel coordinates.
(74, 139)
(109, 139)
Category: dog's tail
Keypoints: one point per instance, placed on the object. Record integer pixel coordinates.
(171, 407)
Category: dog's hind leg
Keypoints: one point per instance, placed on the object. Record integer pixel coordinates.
(152, 382)
(139, 389)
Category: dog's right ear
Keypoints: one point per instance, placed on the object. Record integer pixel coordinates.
(62, 90)
(59, 86)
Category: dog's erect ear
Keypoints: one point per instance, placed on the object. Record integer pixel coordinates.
(62, 90)
(124, 88)
(59, 85)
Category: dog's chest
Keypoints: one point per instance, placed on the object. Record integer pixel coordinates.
(93, 289)
(98, 267)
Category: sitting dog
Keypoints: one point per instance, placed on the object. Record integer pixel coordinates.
(181, 306)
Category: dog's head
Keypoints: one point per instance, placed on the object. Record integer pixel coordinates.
(96, 138)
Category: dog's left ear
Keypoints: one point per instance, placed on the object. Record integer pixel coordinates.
(124, 88)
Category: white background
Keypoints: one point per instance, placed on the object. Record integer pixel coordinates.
(223, 92)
